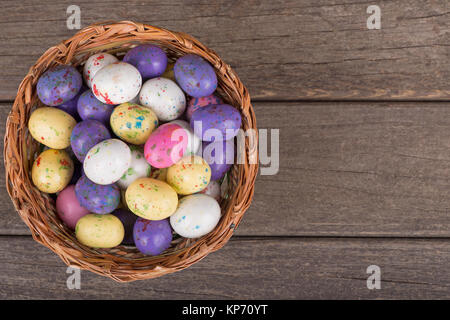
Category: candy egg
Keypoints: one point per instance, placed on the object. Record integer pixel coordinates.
(166, 145)
(193, 141)
(196, 103)
(116, 83)
(151, 199)
(164, 97)
(169, 72)
(197, 215)
(139, 168)
(212, 190)
(189, 175)
(107, 161)
(52, 170)
(150, 60)
(85, 135)
(51, 127)
(133, 123)
(220, 157)
(152, 237)
(128, 220)
(89, 107)
(71, 106)
(58, 85)
(68, 207)
(100, 231)
(95, 63)
(95, 197)
(216, 122)
(195, 76)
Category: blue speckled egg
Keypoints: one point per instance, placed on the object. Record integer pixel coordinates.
(85, 135)
(89, 107)
(152, 237)
(150, 60)
(71, 106)
(97, 198)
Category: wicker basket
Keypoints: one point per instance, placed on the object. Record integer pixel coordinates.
(37, 209)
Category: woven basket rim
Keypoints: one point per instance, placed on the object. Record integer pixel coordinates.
(36, 209)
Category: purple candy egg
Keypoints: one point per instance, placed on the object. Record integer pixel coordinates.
(195, 76)
(216, 122)
(220, 157)
(151, 61)
(89, 107)
(152, 237)
(128, 220)
(97, 198)
(71, 106)
(196, 103)
(59, 85)
(85, 135)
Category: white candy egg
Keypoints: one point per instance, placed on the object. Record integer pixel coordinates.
(107, 161)
(212, 190)
(95, 63)
(139, 168)
(117, 83)
(196, 215)
(193, 141)
(164, 97)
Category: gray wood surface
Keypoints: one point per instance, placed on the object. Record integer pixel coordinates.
(301, 49)
(260, 268)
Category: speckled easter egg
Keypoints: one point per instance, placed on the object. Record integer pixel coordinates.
(68, 208)
(194, 142)
(166, 145)
(212, 190)
(195, 103)
(197, 215)
(51, 127)
(164, 97)
(107, 161)
(159, 174)
(128, 220)
(85, 135)
(151, 199)
(217, 122)
(195, 76)
(139, 168)
(100, 231)
(89, 107)
(150, 60)
(116, 83)
(220, 157)
(97, 198)
(133, 123)
(52, 170)
(58, 85)
(189, 175)
(71, 106)
(169, 72)
(94, 64)
(152, 237)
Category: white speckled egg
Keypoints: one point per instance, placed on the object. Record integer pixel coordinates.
(193, 141)
(164, 97)
(95, 63)
(196, 215)
(107, 161)
(139, 168)
(116, 83)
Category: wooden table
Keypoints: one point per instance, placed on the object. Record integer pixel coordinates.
(364, 119)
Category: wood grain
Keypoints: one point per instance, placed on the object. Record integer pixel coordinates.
(346, 169)
(282, 50)
(248, 269)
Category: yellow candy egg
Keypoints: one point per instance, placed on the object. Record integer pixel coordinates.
(100, 230)
(189, 175)
(169, 74)
(51, 127)
(52, 170)
(133, 123)
(151, 199)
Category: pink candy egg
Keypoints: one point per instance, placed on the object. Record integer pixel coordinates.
(166, 145)
(68, 207)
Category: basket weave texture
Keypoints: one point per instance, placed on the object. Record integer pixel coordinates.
(37, 209)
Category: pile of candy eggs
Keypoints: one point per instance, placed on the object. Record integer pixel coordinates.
(123, 151)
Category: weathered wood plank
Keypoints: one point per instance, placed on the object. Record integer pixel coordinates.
(249, 269)
(346, 169)
(290, 49)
